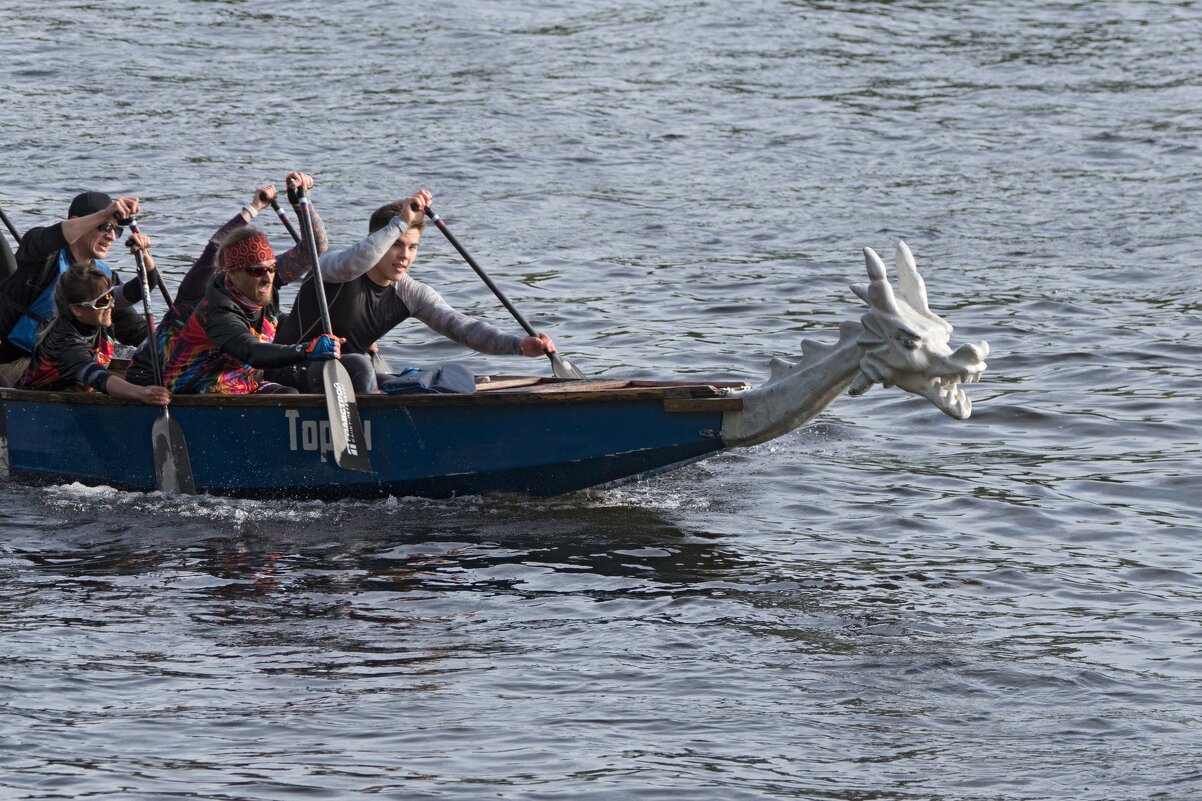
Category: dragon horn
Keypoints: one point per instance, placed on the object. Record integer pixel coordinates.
(880, 293)
(909, 281)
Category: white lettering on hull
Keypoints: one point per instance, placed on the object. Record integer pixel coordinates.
(314, 435)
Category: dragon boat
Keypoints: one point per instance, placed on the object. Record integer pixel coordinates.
(527, 435)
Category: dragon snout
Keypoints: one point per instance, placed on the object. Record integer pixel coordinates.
(968, 361)
(970, 354)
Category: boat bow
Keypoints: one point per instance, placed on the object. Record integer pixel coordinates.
(898, 342)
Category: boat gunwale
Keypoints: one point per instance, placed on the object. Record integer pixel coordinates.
(544, 391)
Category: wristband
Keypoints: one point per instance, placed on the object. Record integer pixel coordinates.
(251, 211)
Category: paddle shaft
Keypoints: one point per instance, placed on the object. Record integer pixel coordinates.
(560, 367)
(376, 359)
(306, 221)
(12, 229)
(496, 290)
(283, 215)
(152, 341)
(9, 224)
(133, 228)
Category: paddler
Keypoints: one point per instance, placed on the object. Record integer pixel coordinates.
(291, 265)
(74, 351)
(228, 341)
(370, 292)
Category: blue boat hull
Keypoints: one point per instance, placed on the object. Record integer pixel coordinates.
(426, 446)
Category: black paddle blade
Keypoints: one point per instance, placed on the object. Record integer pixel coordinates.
(172, 466)
(346, 429)
(562, 368)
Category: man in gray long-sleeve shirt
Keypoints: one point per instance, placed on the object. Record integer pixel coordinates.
(370, 292)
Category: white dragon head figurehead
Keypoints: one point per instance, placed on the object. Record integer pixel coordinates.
(905, 344)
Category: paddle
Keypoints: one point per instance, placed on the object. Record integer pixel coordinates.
(172, 466)
(561, 368)
(346, 429)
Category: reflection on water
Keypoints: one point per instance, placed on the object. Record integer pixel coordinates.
(398, 545)
(429, 644)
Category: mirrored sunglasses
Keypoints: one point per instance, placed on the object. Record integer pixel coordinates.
(259, 270)
(109, 227)
(102, 302)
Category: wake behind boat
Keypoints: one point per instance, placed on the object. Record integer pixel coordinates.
(535, 436)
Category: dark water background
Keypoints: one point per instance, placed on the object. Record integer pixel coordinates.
(888, 604)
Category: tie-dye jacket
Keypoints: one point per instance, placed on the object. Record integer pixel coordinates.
(224, 347)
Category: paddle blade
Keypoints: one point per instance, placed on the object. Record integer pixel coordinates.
(346, 429)
(562, 368)
(172, 466)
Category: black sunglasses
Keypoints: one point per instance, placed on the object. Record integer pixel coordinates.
(259, 270)
(110, 227)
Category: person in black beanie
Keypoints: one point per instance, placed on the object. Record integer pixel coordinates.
(93, 224)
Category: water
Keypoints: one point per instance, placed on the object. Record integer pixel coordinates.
(888, 604)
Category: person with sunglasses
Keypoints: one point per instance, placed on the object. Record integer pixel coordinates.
(290, 266)
(227, 342)
(74, 351)
(93, 224)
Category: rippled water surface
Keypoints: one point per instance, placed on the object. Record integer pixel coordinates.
(887, 604)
